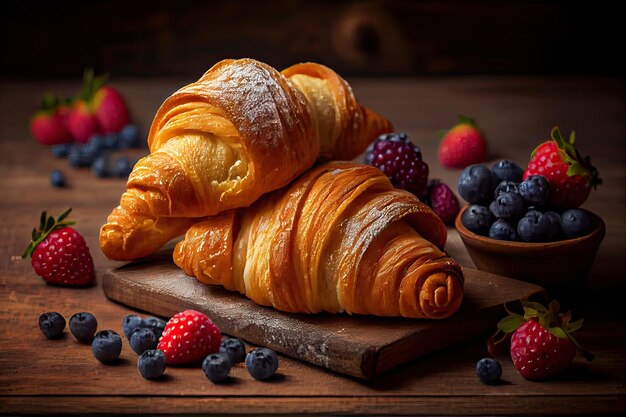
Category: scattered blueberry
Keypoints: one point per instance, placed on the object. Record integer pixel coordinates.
(151, 364)
(488, 370)
(61, 150)
(506, 170)
(262, 363)
(83, 155)
(575, 223)
(234, 348)
(100, 167)
(142, 339)
(111, 141)
(129, 136)
(216, 367)
(535, 190)
(505, 187)
(122, 167)
(551, 221)
(155, 324)
(52, 325)
(477, 184)
(97, 141)
(502, 230)
(477, 219)
(57, 178)
(83, 326)
(106, 346)
(507, 205)
(130, 323)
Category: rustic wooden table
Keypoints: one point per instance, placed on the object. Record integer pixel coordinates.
(38, 376)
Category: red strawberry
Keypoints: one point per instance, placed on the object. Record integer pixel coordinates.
(110, 109)
(541, 344)
(189, 337)
(570, 176)
(82, 121)
(443, 201)
(463, 145)
(59, 253)
(48, 124)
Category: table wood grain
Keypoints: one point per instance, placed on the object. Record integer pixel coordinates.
(39, 376)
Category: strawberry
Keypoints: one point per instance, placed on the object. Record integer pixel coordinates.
(189, 337)
(570, 177)
(463, 145)
(111, 110)
(59, 254)
(48, 124)
(541, 343)
(82, 121)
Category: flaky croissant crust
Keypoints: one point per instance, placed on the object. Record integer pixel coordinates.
(242, 130)
(340, 238)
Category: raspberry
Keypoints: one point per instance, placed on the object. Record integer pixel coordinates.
(443, 201)
(401, 160)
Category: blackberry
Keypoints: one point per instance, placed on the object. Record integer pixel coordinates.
(401, 160)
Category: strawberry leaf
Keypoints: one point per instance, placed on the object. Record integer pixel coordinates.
(64, 214)
(544, 320)
(577, 169)
(510, 323)
(558, 332)
(46, 226)
(462, 119)
(536, 306)
(530, 312)
(572, 137)
(574, 325)
(556, 135)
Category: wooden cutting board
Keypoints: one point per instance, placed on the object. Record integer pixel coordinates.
(361, 346)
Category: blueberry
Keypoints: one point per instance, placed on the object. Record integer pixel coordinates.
(52, 325)
(262, 363)
(506, 170)
(100, 167)
(74, 156)
(106, 346)
(476, 184)
(477, 218)
(83, 326)
(129, 136)
(506, 187)
(155, 324)
(216, 367)
(234, 348)
(535, 190)
(97, 141)
(488, 370)
(507, 205)
(61, 150)
(57, 178)
(83, 155)
(142, 339)
(111, 141)
(575, 223)
(537, 227)
(151, 364)
(502, 230)
(122, 167)
(130, 323)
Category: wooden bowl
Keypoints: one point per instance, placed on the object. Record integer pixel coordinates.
(550, 264)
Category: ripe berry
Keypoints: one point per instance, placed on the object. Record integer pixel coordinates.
(130, 323)
(155, 324)
(234, 348)
(488, 370)
(477, 219)
(57, 178)
(262, 363)
(477, 184)
(52, 325)
(443, 201)
(106, 346)
(506, 170)
(151, 364)
(575, 223)
(189, 337)
(216, 367)
(401, 161)
(142, 340)
(83, 326)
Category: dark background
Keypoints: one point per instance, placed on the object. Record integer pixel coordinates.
(184, 38)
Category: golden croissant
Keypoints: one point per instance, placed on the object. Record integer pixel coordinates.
(339, 238)
(242, 130)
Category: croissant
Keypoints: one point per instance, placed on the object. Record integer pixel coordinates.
(340, 238)
(242, 130)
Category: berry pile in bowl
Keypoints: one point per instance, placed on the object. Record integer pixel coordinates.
(527, 224)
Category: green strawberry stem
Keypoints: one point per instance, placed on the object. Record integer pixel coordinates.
(559, 324)
(465, 120)
(91, 84)
(46, 226)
